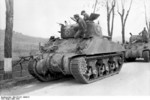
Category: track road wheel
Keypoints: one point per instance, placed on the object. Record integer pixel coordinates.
(101, 70)
(146, 56)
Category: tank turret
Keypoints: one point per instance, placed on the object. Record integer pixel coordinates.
(86, 59)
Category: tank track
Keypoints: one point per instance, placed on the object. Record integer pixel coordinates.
(77, 67)
(43, 78)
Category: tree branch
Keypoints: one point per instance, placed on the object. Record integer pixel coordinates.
(128, 12)
(95, 6)
(146, 21)
(110, 10)
(124, 17)
(119, 13)
(113, 5)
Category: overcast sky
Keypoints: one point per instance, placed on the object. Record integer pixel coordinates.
(40, 17)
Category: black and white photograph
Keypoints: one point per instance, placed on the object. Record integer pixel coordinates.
(74, 48)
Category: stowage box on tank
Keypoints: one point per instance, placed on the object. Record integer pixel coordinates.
(87, 59)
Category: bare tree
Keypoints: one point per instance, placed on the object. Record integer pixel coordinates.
(149, 29)
(110, 17)
(96, 2)
(8, 39)
(124, 15)
(110, 11)
(146, 20)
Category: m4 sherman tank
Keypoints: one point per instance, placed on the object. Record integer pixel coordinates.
(138, 47)
(86, 59)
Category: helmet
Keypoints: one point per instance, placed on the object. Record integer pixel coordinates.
(83, 11)
(76, 15)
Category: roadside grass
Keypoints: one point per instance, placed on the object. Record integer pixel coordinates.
(22, 45)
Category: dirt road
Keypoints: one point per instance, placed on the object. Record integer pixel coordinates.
(134, 79)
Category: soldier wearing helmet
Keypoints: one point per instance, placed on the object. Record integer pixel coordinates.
(86, 16)
(144, 35)
(82, 26)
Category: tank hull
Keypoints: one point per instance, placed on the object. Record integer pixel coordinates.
(94, 48)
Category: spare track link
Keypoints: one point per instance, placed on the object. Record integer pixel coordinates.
(74, 68)
(33, 72)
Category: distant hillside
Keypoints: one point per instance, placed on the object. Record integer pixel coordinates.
(21, 44)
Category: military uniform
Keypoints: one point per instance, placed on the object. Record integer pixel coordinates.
(86, 16)
(145, 35)
(82, 27)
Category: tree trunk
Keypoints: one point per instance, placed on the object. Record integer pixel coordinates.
(108, 24)
(123, 35)
(112, 23)
(124, 15)
(110, 19)
(149, 30)
(8, 40)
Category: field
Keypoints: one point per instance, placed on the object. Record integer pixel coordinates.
(22, 45)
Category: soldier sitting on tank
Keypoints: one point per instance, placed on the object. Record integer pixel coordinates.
(85, 15)
(82, 29)
(144, 35)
